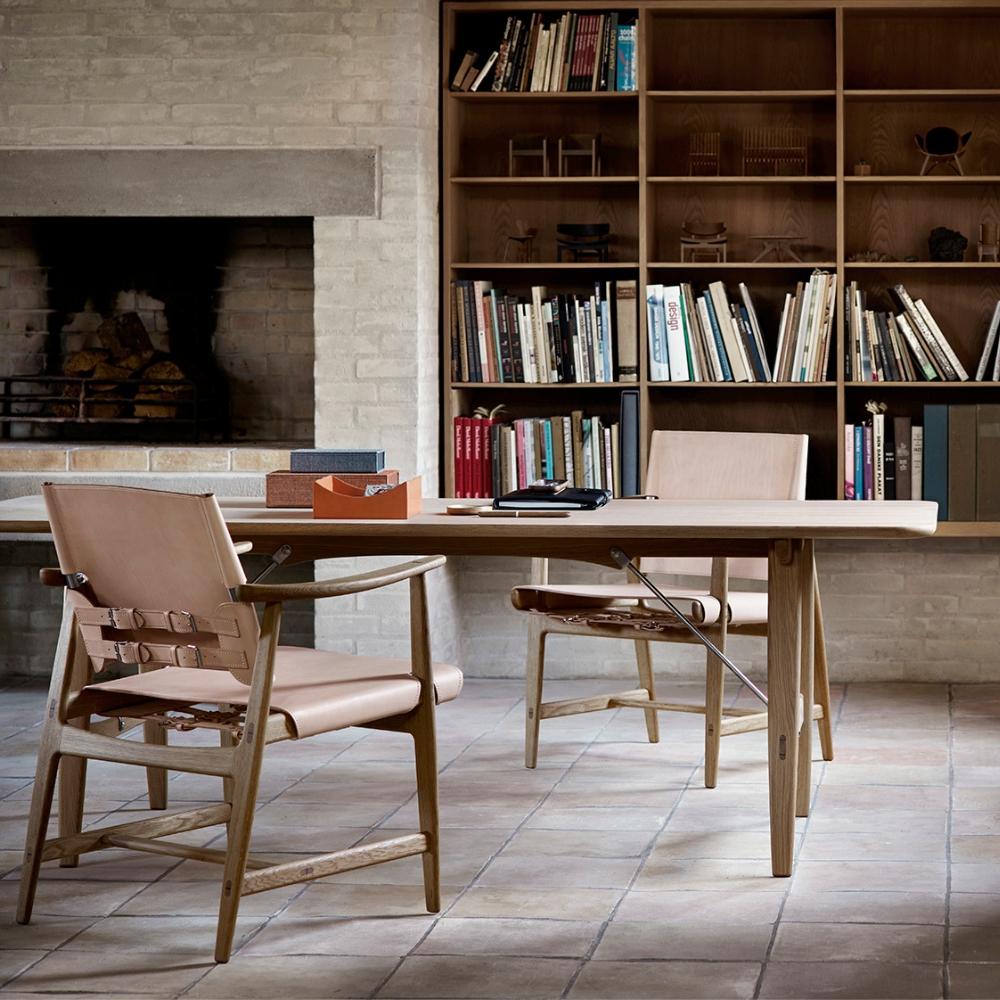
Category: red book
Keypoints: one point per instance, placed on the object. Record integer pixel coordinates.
(579, 45)
(467, 456)
(459, 432)
(477, 457)
(519, 449)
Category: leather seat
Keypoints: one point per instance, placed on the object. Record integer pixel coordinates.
(745, 607)
(318, 691)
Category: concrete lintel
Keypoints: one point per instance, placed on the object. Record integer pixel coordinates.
(188, 182)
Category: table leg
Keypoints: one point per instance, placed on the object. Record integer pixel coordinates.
(806, 674)
(784, 604)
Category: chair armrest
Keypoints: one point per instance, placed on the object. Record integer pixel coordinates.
(242, 548)
(52, 577)
(270, 592)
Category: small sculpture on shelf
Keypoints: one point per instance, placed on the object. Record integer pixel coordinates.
(704, 241)
(522, 241)
(703, 154)
(775, 152)
(870, 257)
(581, 148)
(531, 149)
(989, 242)
(862, 169)
(779, 244)
(942, 144)
(946, 245)
(583, 241)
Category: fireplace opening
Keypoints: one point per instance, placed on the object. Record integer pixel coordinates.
(147, 330)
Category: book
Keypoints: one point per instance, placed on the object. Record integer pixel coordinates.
(988, 462)
(463, 69)
(484, 72)
(962, 434)
(878, 456)
(659, 365)
(629, 443)
(917, 464)
(935, 457)
(334, 460)
(989, 344)
(677, 347)
(849, 462)
(902, 431)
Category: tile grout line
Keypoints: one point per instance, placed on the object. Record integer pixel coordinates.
(518, 705)
(795, 861)
(949, 821)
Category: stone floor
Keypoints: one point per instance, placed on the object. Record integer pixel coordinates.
(607, 872)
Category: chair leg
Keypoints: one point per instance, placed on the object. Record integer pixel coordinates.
(821, 682)
(247, 762)
(425, 754)
(714, 690)
(156, 777)
(72, 793)
(644, 658)
(38, 824)
(226, 739)
(533, 690)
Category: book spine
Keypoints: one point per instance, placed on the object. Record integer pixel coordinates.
(506, 347)
(917, 464)
(878, 456)
(991, 337)
(902, 433)
(458, 432)
(988, 462)
(626, 331)
(848, 461)
(869, 463)
(503, 56)
(720, 346)
(956, 366)
(889, 461)
(923, 330)
(673, 324)
(962, 463)
(935, 457)
(859, 462)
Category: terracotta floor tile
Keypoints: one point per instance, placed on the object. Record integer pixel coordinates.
(626, 940)
(851, 981)
(480, 978)
(306, 977)
(814, 942)
(973, 982)
(665, 980)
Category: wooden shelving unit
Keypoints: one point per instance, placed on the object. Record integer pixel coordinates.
(860, 79)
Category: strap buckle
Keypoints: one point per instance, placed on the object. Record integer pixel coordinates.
(128, 619)
(131, 652)
(199, 659)
(191, 623)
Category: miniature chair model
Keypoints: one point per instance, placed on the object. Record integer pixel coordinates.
(127, 557)
(689, 466)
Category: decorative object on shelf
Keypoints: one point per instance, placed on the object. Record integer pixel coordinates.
(703, 154)
(989, 241)
(522, 240)
(336, 499)
(862, 169)
(779, 244)
(777, 152)
(703, 241)
(942, 144)
(946, 245)
(583, 241)
(582, 148)
(528, 148)
(870, 257)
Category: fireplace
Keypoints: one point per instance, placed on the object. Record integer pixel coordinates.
(157, 329)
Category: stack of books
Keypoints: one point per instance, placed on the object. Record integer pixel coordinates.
(546, 53)
(493, 457)
(496, 337)
(361, 467)
(717, 338)
(953, 459)
(905, 346)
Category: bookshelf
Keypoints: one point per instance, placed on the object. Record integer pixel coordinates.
(859, 79)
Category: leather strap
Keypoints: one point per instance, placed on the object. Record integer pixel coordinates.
(132, 619)
(177, 656)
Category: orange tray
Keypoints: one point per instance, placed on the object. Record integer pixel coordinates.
(335, 499)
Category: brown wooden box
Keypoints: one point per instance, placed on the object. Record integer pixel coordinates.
(295, 489)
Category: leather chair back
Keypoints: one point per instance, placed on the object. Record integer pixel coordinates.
(723, 465)
(154, 550)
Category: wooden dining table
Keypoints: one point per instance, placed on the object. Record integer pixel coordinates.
(783, 531)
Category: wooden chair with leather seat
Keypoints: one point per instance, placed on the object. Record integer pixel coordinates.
(683, 465)
(152, 579)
